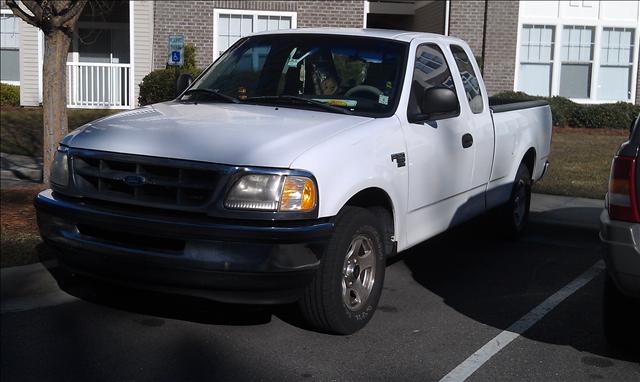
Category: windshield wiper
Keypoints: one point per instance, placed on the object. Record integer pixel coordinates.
(214, 93)
(295, 99)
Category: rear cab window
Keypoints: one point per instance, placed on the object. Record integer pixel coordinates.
(469, 79)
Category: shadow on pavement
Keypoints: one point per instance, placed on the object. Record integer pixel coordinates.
(490, 279)
(172, 306)
(496, 281)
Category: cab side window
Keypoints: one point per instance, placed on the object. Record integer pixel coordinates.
(430, 70)
(469, 79)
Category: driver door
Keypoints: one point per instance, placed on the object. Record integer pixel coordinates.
(440, 165)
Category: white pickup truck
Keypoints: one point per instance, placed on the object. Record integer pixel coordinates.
(291, 169)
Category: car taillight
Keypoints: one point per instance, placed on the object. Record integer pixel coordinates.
(623, 196)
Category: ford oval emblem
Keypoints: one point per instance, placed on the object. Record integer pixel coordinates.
(134, 180)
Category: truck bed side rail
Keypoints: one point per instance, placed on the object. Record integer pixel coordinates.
(517, 106)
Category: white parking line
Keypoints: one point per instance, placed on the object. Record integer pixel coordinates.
(491, 348)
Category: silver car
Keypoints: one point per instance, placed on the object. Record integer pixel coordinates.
(620, 231)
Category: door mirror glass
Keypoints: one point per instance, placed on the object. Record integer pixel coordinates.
(439, 103)
(184, 81)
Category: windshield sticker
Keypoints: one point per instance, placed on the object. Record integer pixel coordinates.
(338, 102)
(389, 85)
(383, 99)
(242, 93)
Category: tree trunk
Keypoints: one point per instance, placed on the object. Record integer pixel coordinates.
(54, 95)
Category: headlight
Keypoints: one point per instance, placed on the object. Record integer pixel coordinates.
(265, 192)
(60, 167)
(255, 192)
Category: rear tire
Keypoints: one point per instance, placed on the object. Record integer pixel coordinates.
(345, 291)
(514, 215)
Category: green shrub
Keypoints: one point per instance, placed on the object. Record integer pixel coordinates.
(566, 113)
(160, 85)
(9, 95)
(561, 110)
(612, 115)
(509, 96)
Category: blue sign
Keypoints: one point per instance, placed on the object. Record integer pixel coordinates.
(176, 50)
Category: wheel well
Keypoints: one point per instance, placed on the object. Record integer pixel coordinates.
(377, 201)
(529, 160)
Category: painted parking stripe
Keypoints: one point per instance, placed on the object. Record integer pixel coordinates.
(491, 348)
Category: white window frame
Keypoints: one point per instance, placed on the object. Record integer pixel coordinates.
(246, 12)
(598, 25)
(518, 57)
(9, 12)
(591, 62)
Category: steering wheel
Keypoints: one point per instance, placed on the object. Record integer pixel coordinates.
(374, 91)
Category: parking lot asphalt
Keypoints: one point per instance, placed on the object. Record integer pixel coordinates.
(443, 301)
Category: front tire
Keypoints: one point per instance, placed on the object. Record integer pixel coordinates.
(345, 291)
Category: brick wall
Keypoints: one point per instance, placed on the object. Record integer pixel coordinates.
(466, 19)
(430, 18)
(467, 22)
(333, 13)
(501, 46)
(194, 19)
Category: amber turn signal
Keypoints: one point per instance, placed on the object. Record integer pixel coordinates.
(298, 194)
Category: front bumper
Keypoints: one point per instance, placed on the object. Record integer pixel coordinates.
(224, 260)
(623, 253)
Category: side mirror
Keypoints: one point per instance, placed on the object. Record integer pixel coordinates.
(183, 82)
(439, 103)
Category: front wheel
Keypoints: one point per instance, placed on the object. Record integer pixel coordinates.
(345, 291)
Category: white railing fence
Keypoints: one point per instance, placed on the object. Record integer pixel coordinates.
(98, 85)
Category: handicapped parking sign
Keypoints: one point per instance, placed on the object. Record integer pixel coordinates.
(176, 50)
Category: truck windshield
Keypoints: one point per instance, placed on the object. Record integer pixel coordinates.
(353, 75)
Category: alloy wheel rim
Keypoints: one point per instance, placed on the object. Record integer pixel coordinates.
(358, 272)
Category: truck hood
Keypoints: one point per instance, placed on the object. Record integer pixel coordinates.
(235, 134)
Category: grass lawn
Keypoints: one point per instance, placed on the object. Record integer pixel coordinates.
(21, 127)
(580, 162)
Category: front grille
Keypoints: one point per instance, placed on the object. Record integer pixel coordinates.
(145, 181)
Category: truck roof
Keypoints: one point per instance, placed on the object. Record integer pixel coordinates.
(398, 35)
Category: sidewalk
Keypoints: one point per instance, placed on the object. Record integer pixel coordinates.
(17, 170)
(566, 211)
(30, 286)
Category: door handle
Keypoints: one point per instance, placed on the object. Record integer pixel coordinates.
(467, 140)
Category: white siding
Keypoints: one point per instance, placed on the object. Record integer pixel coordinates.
(613, 30)
(29, 65)
(143, 43)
